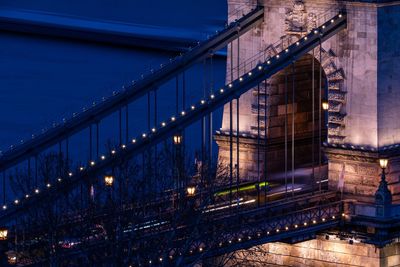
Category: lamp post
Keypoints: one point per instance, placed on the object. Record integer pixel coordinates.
(3, 246)
(177, 139)
(109, 180)
(325, 108)
(191, 190)
(325, 105)
(3, 234)
(383, 196)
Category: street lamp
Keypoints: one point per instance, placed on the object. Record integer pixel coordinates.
(3, 233)
(177, 139)
(325, 105)
(383, 196)
(383, 163)
(109, 180)
(3, 246)
(191, 190)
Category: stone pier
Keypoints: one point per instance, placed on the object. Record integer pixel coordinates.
(331, 252)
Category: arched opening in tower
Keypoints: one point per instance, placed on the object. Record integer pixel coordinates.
(295, 119)
(282, 124)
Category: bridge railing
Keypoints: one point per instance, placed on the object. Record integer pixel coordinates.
(178, 230)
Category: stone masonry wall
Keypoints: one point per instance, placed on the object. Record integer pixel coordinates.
(319, 252)
(353, 50)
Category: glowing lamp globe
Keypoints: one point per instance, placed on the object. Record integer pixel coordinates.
(325, 105)
(191, 190)
(109, 180)
(383, 163)
(3, 233)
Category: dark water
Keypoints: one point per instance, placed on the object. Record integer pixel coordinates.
(43, 80)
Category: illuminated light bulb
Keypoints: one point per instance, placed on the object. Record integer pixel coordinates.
(258, 234)
(202, 101)
(277, 56)
(26, 196)
(383, 163)
(103, 157)
(323, 26)
(193, 107)
(70, 174)
(113, 152)
(250, 73)
(172, 118)
(212, 96)
(59, 180)
(277, 230)
(4, 207)
(150, 261)
(332, 20)
(305, 38)
(48, 185)
(286, 50)
(183, 113)
(81, 168)
(343, 214)
(239, 239)
(268, 62)
(333, 217)
(230, 241)
(133, 141)
(297, 43)
(163, 124)
(16, 201)
(220, 244)
(287, 228)
(230, 85)
(305, 224)
(260, 67)
(92, 163)
(340, 15)
(160, 259)
(249, 237)
(240, 79)
(314, 221)
(295, 226)
(200, 249)
(153, 130)
(37, 191)
(323, 219)
(144, 135)
(315, 31)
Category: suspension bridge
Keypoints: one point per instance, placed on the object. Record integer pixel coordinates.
(140, 203)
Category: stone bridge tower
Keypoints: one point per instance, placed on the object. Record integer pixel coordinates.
(359, 78)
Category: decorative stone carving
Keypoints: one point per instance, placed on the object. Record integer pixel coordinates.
(335, 117)
(334, 85)
(335, 131)
(335, 106)
(337, 75)
(330, 67)
(297, 19)
(337, 96)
